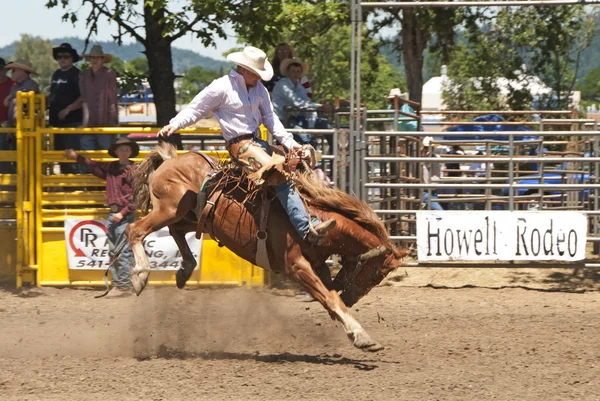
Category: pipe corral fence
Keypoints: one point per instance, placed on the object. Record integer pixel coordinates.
(554, 167)
(37, 200)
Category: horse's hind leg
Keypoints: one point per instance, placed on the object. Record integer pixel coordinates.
(178, 231)
(302, 272)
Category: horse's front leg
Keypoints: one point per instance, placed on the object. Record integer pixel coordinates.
(301, 271)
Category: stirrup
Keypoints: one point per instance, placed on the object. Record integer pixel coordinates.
(316, 233)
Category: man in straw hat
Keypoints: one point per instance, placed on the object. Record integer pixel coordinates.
(20, 72)
(240, 102)
(289, 92)
(98, 87)
(119, 198)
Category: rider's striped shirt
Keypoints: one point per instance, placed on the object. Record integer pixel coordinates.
(239, 110)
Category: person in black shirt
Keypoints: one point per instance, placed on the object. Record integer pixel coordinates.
(65, 101)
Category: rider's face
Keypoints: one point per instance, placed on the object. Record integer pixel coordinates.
(250, 78)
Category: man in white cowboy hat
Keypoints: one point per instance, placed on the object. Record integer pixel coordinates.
(65, 101)
(98, 86)
(240, 102)
(403, 125)
(289, 93)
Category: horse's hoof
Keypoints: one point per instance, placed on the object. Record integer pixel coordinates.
(364, 342)
(374, 348)
(180, 278)
(139, 278)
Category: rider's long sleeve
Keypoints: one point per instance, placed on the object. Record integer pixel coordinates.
(238, 109)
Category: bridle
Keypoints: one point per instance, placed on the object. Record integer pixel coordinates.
(370, 254)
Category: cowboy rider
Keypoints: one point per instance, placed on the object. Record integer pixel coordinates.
(241, 103)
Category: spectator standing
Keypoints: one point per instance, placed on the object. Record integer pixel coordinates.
(20, 73)
(282, 52)
(5, 85)
(288, 92)
(119, 197)
(98, 87)
(65, 100)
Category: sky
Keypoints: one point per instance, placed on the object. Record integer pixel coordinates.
(48, 24)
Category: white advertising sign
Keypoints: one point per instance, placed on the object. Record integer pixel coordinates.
(87, 246)
(500, 235)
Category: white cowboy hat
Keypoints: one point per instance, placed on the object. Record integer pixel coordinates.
(427, 140)
(394, 93)
(254, 60)
(21, 64)
(283, 67)
(98, 52)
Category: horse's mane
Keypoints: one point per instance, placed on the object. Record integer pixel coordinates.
(340, 202)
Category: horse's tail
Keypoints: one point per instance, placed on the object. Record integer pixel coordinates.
(141, 174)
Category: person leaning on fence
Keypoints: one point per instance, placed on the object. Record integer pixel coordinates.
(20, 73)
(240, 103)
(430, 175)
(288, 92)
(65, 101)
(119, 197)
(98, 86)
(403, 125)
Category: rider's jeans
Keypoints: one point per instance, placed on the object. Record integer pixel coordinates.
(290, 199)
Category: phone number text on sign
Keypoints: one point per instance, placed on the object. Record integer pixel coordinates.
(87, 246)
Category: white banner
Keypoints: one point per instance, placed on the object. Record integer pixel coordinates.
(87, 246)
(501, 235)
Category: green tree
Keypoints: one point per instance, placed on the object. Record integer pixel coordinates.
(522, 45)
(165, 21)
(590, 86)
(39, 52)
(330, 67)
(194, 80)
(420, 29)
(319, 33)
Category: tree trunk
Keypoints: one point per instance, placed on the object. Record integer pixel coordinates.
(161, 76)
(414, 41)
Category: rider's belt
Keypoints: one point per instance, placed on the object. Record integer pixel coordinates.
(114, 208)
(241, 138)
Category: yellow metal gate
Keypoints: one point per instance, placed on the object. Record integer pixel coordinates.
(44, 199)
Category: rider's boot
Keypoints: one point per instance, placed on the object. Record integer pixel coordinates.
(317, 233)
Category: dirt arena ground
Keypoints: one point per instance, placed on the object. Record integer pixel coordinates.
(451, 334)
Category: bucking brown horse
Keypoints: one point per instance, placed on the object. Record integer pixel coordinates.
(171, 184)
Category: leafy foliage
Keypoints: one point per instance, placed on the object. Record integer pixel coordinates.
(39, 52)
(330, 69)
(590, 86)
(195, 79)
(519, 44)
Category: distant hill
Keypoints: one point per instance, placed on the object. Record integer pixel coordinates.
(182, 59)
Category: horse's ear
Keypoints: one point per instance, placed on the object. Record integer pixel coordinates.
(401, 253)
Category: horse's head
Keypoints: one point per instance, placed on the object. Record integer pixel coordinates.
(371, 268)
